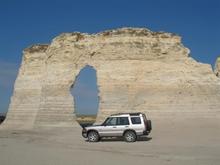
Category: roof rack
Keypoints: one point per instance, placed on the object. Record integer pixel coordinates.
(131, 114)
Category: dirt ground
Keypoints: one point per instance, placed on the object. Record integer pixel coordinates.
(191, 142)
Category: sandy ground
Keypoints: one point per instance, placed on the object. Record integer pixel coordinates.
(191, 141)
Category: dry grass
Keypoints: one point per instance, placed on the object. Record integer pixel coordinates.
(86, 119)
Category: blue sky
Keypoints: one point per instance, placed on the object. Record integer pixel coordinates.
(85, 92)
(26, 22)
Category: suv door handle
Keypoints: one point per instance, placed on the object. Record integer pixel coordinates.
(126, 126)
(114, 127)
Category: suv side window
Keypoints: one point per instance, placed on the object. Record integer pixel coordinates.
(111, 121)
(122, 121)
(136, 120)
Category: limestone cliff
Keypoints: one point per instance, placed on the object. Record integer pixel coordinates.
(137, 70)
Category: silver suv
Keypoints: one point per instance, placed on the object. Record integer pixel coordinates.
(127, 125)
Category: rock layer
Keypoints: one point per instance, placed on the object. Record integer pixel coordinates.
(137, 71)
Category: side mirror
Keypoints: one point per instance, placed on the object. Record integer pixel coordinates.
(104, 124)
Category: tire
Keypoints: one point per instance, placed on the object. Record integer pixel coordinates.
(149, 125)
(130, 136)
(93, 136)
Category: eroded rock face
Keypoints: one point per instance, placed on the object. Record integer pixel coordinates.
(217, 67)
(137, 71)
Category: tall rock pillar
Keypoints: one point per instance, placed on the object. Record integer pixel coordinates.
(26, 98)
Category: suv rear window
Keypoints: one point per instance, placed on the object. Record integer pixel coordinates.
(136, 120)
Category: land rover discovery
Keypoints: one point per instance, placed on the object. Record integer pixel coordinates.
(126, 125)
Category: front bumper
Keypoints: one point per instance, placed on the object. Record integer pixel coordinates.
(84, 133)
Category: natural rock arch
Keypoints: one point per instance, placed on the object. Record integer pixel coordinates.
(85, 92)
(137, 70)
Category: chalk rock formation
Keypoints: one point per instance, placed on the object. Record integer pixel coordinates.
(217, 67)
(137, 71)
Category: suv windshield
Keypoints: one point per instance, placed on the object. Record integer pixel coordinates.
(110, 121)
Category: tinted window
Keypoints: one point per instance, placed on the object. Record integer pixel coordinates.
(123, 121)
(111, 121)
(136, 120)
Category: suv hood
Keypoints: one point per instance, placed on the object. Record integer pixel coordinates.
(93, 126)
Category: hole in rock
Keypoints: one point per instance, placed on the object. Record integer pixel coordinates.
(85, 93)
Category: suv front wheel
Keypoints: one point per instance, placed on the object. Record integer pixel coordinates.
(130, 136)
(93, 136)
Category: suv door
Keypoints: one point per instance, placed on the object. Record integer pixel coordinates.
(122, 125)
(109, 127)
(114, 126)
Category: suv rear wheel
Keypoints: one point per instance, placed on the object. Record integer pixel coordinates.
(130, 136)
(93, 136)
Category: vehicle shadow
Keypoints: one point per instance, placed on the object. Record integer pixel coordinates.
(120, 139)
